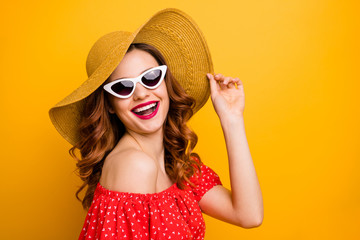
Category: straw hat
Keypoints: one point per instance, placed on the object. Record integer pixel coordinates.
(172, 32)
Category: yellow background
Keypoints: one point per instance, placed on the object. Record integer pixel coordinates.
(298, 60)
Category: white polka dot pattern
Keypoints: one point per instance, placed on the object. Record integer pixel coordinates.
(170, 214)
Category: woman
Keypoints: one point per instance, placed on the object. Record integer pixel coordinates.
(129, 122)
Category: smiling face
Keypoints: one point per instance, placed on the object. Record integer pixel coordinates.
(145, 110)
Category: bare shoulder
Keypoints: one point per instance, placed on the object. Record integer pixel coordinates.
(129, 170)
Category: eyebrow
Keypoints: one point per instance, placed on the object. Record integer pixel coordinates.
(138, 75)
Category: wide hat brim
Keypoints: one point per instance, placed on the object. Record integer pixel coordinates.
(173, 33)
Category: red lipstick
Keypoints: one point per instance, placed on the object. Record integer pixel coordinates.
(151, 115)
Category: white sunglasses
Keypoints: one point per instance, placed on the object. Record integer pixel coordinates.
(125, 87)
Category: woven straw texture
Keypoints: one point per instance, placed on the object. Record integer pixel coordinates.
(172, 32)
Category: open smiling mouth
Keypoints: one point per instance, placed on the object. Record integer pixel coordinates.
(147, 111)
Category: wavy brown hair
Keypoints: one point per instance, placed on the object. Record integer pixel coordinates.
(100, 131)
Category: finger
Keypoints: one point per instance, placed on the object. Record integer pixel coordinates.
(226, 80)
(222, 85)
(238, 81)
(221, 80)
(234, 83)
(219, 77)
(231, 85)
(213, 83)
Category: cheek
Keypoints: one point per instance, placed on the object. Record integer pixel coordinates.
(162, 91)
(119, 106)
(165, 97)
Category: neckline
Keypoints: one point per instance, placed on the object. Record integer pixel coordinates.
(114, 193)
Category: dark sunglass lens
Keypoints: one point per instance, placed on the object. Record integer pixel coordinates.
(152, 78)
(123, 88)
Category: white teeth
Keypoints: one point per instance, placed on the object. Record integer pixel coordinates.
(144, 108)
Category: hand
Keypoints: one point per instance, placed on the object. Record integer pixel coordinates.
(228, 99)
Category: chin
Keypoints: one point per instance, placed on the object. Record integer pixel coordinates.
(147, 130)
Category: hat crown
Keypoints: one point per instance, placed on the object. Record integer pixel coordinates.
(103, 47)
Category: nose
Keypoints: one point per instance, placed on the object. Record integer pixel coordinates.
(140, 92)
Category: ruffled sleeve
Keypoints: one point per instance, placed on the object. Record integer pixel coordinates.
(204, 181)
(170, 214)
(115, 215)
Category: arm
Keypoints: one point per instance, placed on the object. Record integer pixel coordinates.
(242, 205)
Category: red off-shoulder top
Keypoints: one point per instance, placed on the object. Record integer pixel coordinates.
(171, 214)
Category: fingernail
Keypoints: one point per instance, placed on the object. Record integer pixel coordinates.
(208, 75)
